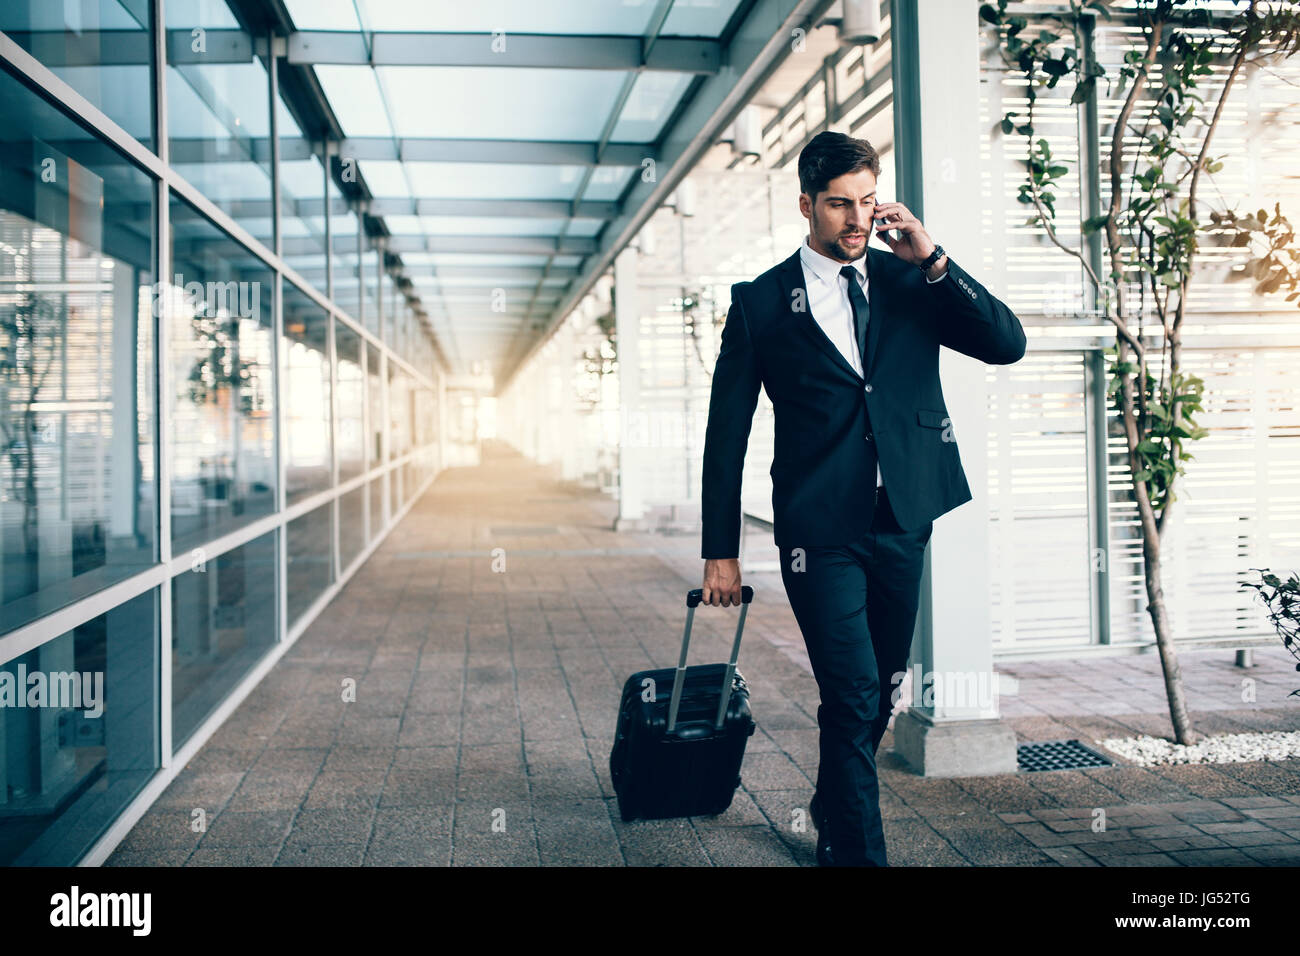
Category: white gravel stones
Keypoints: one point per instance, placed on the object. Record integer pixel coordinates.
(1149, 751)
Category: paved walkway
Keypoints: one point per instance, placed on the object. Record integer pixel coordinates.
(486, 701)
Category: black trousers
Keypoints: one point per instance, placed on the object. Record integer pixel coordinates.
(856, 606)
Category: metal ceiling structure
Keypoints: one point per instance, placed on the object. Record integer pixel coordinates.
(502, 154)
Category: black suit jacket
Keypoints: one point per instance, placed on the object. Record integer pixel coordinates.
(830, 429)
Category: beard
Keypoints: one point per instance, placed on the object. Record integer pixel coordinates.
(836, 245)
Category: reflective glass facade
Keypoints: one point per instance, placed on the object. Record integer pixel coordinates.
(194, 430)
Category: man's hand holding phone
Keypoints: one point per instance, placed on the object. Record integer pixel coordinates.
(913, 244)
(721, 582)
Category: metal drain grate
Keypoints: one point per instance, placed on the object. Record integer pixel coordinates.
(1058, 755)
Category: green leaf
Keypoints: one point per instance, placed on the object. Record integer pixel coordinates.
(1093, 223)
(1007, 126)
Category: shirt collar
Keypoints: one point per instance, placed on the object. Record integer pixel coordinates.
(828, 269)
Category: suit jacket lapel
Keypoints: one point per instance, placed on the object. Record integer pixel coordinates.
(792, 279)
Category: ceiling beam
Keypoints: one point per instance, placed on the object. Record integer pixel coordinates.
(515, 151)
(696, 55)
(554, 51)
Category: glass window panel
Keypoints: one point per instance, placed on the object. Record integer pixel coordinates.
(84, 741)
(399, 410)
(345, 260)
(351, 401)
(77, 477)
(375, 390)
(370, 275)
(223, 623)
(306, 396)
(310, 558)
(384, 330)
(352, 527)
(221, 377)
(71, 39)
(302, 202)
(377, 517)
(218, 121)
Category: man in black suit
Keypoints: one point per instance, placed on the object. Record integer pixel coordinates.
(845, 339)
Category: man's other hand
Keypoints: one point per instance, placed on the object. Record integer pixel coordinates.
(722, 582)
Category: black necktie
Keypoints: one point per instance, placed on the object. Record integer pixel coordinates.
(861, 312)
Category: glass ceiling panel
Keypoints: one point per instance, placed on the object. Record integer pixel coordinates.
(514, 16)
(619, 17)
(654, 97)
(608, 182)
(384, 177)
(209, 14)
(585, 227)
(496, 180)
(323, 14)
(472, 282)
(497, 103)
(699, 18)
(452, 259)
(353, 94)
(482, 225)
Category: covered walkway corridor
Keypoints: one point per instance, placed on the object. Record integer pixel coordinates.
(356, 362)
(488, 696)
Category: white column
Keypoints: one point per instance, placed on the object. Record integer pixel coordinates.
(937, 131)
(632, 442)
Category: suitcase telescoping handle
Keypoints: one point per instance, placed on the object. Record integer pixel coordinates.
(693, 598)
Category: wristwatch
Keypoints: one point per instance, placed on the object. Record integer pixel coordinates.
(931, 259)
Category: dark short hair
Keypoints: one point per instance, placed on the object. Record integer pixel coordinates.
(829, 155)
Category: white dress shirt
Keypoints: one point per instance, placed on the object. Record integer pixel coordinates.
(828, 300)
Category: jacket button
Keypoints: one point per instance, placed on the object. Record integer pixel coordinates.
(868, 388)
(870, 437)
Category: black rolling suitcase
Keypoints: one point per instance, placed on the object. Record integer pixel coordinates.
(679, 755)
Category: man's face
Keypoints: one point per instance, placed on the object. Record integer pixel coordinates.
(839, 220)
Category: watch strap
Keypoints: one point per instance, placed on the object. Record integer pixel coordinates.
(932, 258)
